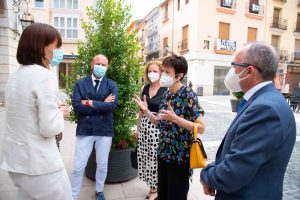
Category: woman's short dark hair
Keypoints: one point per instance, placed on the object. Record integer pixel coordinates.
(178, 63)
(33, 41)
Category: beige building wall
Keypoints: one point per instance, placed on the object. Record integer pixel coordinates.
(8, 45)
(203, 19)
(57, 15)
(48, 12)
(287, 31)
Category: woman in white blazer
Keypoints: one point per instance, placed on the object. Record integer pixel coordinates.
(33, 118)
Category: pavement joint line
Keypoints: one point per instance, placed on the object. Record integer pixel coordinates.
(212, 143)
(218, 142)
(214, 102)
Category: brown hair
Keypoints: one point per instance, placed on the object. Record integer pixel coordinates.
(33, 41)
(146, 79)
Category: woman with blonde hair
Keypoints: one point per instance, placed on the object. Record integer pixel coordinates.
(147, 133)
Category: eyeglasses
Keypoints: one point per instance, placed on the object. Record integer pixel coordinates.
(244, 65)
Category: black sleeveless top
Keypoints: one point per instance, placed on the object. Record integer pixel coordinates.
(154, 102)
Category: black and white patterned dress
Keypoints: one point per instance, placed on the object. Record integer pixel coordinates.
(148, 141)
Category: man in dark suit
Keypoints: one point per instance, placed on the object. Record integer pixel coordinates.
(94, 101)
(253, 156)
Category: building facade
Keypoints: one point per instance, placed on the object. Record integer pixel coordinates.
(152, 35)
(65, 15)
(283, 32)
(9, 30)
(208, 33)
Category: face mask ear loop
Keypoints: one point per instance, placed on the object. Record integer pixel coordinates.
(240, 79)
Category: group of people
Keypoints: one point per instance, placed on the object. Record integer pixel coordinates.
(250, 162)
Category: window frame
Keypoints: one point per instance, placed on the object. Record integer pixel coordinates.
(65, 27)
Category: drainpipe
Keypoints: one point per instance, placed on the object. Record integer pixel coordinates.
(173, 27)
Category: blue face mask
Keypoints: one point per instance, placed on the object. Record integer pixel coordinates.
(58, 56)
(99, 70)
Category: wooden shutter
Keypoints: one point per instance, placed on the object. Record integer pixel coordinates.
(276, 15)
(275, 41)
(252, 34)
(297, 45)
(185, 37)
(298, 22)
(166, 11)
(224, 30)
(165, 42)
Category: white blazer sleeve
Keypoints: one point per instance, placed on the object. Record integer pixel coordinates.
(51, 119)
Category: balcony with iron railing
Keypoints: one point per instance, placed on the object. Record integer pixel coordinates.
(297, 27)
(254, 11)
(183, 45)
(282, 1)
(279, 23)
(164, 53)
(152, 49)
(296, 56)
(227, 47)
(226, 6)
(282, 54)
(141, 40)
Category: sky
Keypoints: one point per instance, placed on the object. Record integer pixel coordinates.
(140, 8)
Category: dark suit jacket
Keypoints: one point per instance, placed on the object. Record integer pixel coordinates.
(96, 121)
(252, 158)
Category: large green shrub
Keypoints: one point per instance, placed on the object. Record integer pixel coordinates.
(106, 33)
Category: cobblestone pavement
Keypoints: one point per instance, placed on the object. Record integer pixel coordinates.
(218, 119)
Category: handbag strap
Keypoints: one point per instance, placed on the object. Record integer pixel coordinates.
(195, 134)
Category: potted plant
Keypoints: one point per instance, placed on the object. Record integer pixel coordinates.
(235, 102)
(106, 33)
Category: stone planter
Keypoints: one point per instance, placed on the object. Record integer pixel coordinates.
(234, 104)
(119, 166)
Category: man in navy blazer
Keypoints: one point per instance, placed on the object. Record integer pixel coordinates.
(253, 156)
(94, 101)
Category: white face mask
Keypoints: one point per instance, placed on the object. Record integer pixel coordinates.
(153, 76)
(232, 80)
(166, 80)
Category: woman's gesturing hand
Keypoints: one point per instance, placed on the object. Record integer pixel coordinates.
(141, 104)
(168, 115)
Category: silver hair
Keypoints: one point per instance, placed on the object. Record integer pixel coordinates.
(262, 56)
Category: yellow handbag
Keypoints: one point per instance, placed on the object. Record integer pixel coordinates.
(197, 153)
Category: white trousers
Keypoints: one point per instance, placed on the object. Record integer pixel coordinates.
(83, 150)
(43, 187)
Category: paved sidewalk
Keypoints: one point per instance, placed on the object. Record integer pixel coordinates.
(217, 118)
(130, 190)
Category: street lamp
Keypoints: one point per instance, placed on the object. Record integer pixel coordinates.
(26, 18)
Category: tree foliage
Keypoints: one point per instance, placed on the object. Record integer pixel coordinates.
(106, 33)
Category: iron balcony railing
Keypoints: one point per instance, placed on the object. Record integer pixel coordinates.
(297, 28)
(284, 1)
(296, 56)
(227, 3)
(282, 54)
(183, 45)
(254, 8)
(279, 23)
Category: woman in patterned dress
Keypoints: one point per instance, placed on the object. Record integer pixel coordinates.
(147, 133)
(178, 111)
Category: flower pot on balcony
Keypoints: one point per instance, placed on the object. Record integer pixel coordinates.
(119, 166)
